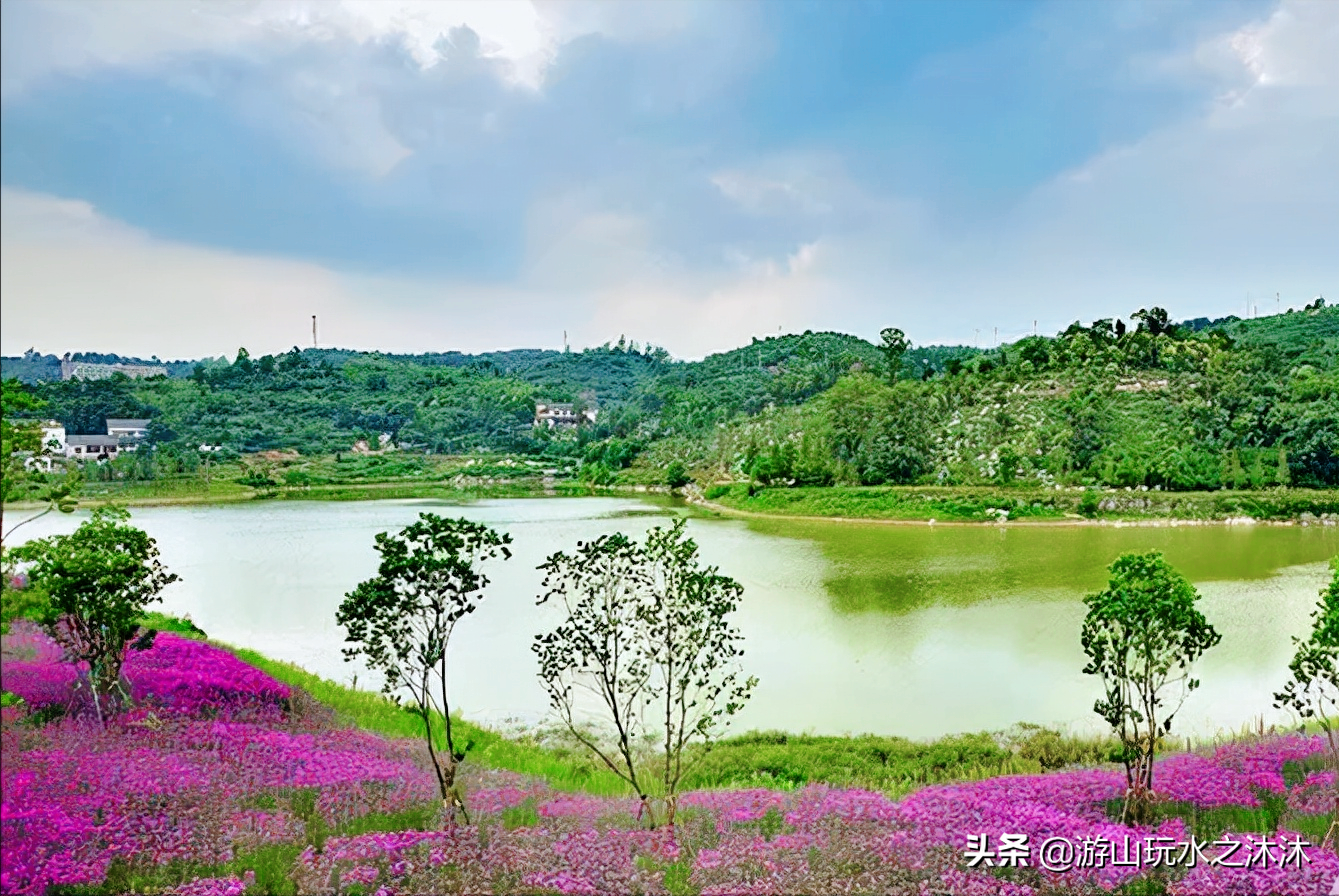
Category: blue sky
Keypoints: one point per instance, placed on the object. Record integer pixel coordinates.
(465, 174)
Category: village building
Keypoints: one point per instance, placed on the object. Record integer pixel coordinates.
(127, 427)
(122, 437)
(562, 416)
(101, 447)
(53, 437)
(53, 445)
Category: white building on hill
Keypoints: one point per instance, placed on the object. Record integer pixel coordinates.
(562, 416)
(127, 427)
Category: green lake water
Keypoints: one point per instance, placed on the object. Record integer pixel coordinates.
(908, 630)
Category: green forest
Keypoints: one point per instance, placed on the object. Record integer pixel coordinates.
(1144, 403)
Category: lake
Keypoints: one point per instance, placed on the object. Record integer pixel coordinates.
(916, 631)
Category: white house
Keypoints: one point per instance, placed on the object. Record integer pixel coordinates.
(53, 445)
(127, 427)
(92, 447)
(562, 415)
(53, 436)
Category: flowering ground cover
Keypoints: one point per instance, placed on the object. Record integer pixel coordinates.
(221, 780)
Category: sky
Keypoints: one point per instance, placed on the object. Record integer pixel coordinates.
(181, 179)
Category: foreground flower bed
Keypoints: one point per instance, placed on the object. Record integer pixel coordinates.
(218, 764)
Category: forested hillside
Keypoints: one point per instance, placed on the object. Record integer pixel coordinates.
(1207, 404)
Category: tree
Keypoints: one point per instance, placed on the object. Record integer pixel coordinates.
(676, 474)
(691, 648)
(402, 620)
(99, 580)
(647, 633)
(1313, 690)
(894, 345)
(594, 647)
(1141, 636)
(1155, 320)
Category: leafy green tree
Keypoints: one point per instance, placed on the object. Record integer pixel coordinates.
(648, 633)
(1141, 635)
(676, 474)
(894, 344)
(1313, 690)
(402, 620)
(1154, 320)
(98, 580)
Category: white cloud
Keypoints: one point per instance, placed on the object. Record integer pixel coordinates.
(75, 280)
(1240, 197)
(696, 316)
(76, 36)
(81, 35)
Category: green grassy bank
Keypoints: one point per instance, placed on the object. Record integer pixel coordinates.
(985, 504)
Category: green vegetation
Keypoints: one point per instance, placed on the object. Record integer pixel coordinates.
(648, 630)
(1141, 635)
(402, 620)
(990, 504)
(1244, 409)
(97, 582)
(161, 622)
(892, 765)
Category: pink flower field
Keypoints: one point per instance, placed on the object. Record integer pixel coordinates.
(218, 768)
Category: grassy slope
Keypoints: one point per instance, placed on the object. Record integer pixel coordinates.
(973, 504)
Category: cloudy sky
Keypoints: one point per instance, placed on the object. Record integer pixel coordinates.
(182, 178)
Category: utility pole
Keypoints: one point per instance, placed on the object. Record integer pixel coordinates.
(995, 342)
(313, 331)
(1278, 304)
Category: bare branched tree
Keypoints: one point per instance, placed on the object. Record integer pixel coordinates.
(401, 621)
(648, 635)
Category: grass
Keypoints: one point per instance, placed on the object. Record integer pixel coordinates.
(893, 765)
(185, 489)
(890, 502)
(165, 623)
(983, 504)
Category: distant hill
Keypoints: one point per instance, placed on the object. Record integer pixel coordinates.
(1148, 403)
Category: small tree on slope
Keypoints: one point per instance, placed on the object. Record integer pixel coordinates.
(1141, 636)
(1313, 691)
(401, 621)
(692, 649)
(648, 636)
(98, 580)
